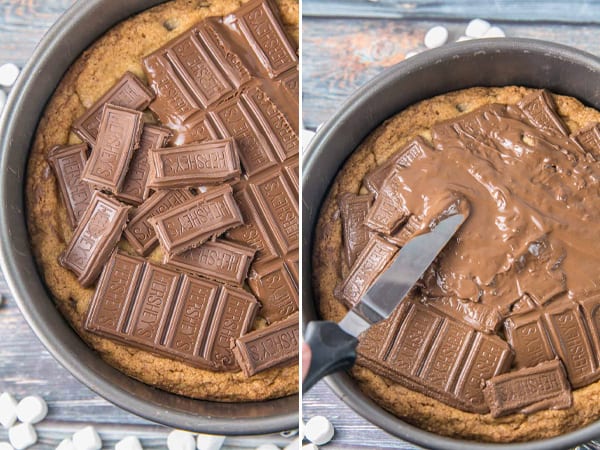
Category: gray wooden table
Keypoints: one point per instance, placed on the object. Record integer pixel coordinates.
(25, 366)
(347, 42)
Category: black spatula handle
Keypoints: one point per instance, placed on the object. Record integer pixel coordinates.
(332, 349)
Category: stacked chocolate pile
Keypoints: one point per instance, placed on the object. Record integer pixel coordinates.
(506, 320)
(215, 185)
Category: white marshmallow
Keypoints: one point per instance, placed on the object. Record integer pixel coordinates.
(2, 104)
(411, 54)
(310, 447)
(8, 74)
(87, 439)
(267, 447)
(294, 445)
(6, 446)
(22, 436)
(129, 443)
(494, 32)
(181, 440)
(8, 410)
(32, 409)
(477, 28)
(306, 136)
(209, 442)
(318, 430)
(436, 37)
(66, 444)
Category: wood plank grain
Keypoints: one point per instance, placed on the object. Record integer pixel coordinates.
(580, 11)
(340, 55)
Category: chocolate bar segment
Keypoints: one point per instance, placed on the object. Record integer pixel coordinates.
(135, 187)
(528, 337)
(94, 238)
(544, 386)
(571, 343)
(253, 232)
(278, 129)
(404, 157)
(480, 316)
(192, 223)
(152, 308)
(68, 163)
(260, 26)
(279, 207)
(291, 84)
(426, 351)
(201, 164)
(139, 232)
(232, 317)
(388, 211)
(591, 312)
(540, 109)
(128, 92)
(372, 260)
(589, 139)
(272, 346)
(353, 210)
(198, 128)
(119, 135)
(273, 286)
(233, 119)
(220, 260)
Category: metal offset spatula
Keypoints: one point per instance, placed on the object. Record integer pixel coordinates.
(333, 345)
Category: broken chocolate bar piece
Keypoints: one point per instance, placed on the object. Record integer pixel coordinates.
(219, 260)
(272, 346)
(354, 209)
(139, 232)
(198, 128)
(389, 210)
(528, 337)
(480, 316)
(273, 286)
(152, 308)
(135, 187)
(259, 24)
(589, 139)
(404, 157)
(233, 119)
(192, 223)
(431, 353)
(128, 92)
(370, 263)
(540, 110)
(68, 163)
(254, 230)
(119, 135)
(544, 386)
(95, 238)
(208, 163)
(591, 311)
(278, 205)
(571, 342)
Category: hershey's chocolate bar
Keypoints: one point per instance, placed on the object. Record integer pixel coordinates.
(119, 135)
(219, 260)
(128, 92)
(274, 287)
(150, 307)
(589, 139)
(427, 351)
(192, 165)
(273, 346)
(278, 205)
(139, 232)
(254, 230)
(266, 38)
(370, 263)
(482, 317)
(544, 386)
(353, 210)
(68, 163)
(388, 212)
(540, 109)
(95, 237)
(527, 335)
(194, 222)
(135, 187)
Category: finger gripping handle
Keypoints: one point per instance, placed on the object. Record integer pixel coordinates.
(332, 349)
